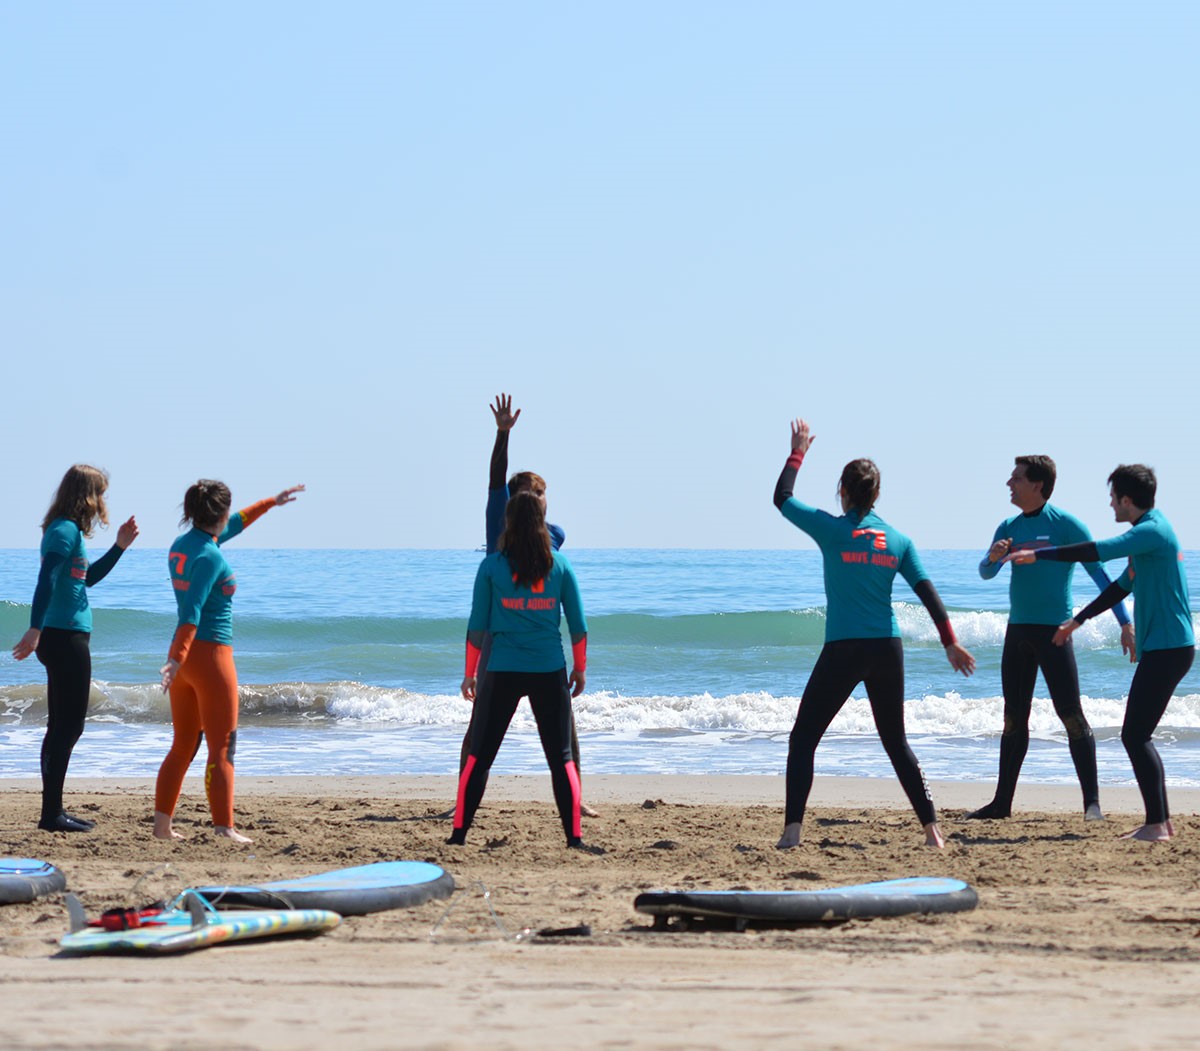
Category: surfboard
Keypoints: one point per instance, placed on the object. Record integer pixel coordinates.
(23, 879)
(196, 927)
(894, 897)
(351, 892)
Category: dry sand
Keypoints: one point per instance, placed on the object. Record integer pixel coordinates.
(1081, 940)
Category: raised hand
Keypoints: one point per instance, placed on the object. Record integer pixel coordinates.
(801, 439)
(127, 532)
(502, 411)
(288, 495)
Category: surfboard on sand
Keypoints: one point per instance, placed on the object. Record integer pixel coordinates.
(23, 879)
(895, 897)
(191, 924)
(351, 892)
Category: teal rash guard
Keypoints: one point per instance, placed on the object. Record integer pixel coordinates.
(1162, 612)
(862, 555)
(525, 621)
(203, 582)
(60, 597)
(1040, 593)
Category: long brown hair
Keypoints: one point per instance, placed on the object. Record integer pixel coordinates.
(80, 498)
(525, 541)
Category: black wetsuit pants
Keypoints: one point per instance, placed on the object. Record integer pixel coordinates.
(1158, 673)
(495, 704)
(67, 657)
(879, 665)
(466, 745)
(1028, 647)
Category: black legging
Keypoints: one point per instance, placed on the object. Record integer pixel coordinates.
(1158, 673)
(485, 653)
(495, 704)
(1028, 647)
(842, 665)
(68, 661)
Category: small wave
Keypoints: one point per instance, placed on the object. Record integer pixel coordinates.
(351, 703)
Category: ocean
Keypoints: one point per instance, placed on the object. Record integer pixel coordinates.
(349, 663)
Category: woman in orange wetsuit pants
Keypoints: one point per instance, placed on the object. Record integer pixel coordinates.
(199, 671)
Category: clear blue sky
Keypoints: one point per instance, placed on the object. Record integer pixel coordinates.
(289, 242)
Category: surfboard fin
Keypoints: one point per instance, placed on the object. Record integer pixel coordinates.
(75, 913)
(196, 909)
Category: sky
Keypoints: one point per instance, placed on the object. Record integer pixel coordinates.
(276, 243)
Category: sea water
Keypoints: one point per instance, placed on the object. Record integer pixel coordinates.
(349, 663)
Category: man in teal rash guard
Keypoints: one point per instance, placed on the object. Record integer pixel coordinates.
(1040, 600)
(1165, 642)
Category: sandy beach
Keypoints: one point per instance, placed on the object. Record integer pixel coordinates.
(1081, 939)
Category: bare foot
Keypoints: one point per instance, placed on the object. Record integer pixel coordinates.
(933, 836)
(162, 826)
(229, 833)
(587, 811)
(790, 837)
(1156, 833)
(1093, 813)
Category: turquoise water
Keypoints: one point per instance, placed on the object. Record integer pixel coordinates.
(350, 663)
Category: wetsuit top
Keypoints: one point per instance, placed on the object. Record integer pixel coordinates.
(1040, 593)
(524, 621)
(1162, 613)
(204, 584)
(60, 597)
(862, 555)
(497, 499)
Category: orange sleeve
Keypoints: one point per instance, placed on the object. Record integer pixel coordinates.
(185, 635)
(256, 510)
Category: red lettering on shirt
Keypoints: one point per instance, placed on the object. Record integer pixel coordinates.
(891, 561)
(878, 536)
(854, 556)
(513, 603)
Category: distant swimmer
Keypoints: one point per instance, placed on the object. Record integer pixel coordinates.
(862, 555)
(1039, 601)
(521, 593)
(60, 626)
(499, 492)
(1165, 644)
(199, 672)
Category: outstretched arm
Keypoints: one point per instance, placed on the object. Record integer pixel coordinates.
(801, 440)
(249, 515)
(1110, 597)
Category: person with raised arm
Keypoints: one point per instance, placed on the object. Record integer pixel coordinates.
(1164, 641)
(862, 555)
(60, 626)
(200, 674)
(1039, 601)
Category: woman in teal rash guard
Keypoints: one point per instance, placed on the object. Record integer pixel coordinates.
(520, 594)
(1165, 643)
(862, 555)
(60, 626)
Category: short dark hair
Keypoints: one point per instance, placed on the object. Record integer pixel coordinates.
(860, 483)
(1136, 481)
(1040, 469)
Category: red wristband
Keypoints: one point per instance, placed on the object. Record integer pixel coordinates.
(473, 655)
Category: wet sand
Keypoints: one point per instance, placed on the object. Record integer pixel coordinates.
(1080, 940)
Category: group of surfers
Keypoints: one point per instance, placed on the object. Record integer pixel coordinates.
(524, 586)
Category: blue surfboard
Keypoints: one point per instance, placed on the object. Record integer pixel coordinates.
(23, 879)
(894, 897)
(351, 892)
